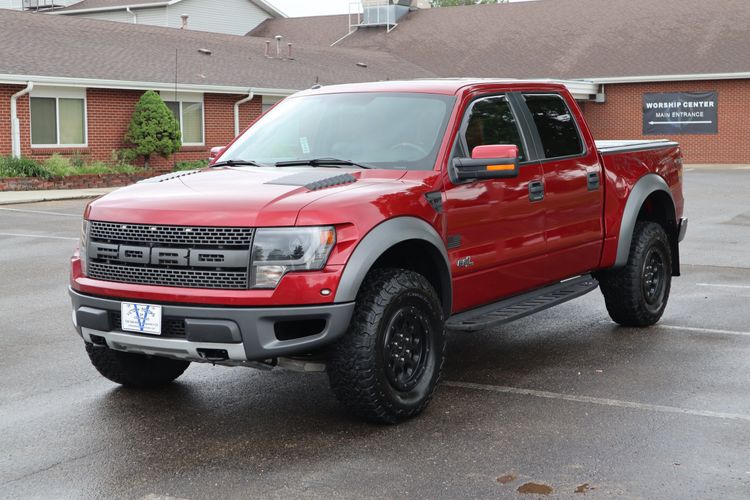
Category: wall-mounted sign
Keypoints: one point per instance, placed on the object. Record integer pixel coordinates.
(675, 113)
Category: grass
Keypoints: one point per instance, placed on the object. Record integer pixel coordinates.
(190, 165)
(58, 166)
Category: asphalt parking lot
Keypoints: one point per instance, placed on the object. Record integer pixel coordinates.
(564, 399)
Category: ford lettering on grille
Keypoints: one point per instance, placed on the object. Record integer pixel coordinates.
(179, 256)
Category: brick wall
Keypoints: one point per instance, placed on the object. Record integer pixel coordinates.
(621, 118)
(72, 182)
(108, 115)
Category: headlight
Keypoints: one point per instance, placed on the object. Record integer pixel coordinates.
(83, 245)
(277, 251)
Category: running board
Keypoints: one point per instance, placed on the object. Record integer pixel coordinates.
(520, 306)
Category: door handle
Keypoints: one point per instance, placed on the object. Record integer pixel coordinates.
(536, 191)
(592, 181)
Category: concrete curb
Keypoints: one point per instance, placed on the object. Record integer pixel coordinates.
(15, 197)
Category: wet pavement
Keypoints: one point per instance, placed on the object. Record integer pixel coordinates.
(563, 404)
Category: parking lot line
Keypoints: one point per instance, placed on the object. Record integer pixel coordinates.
(717, 285)
(597, 401)
(18, 235)
(40, 212)
(702, 330)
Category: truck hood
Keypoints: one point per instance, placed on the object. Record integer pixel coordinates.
(231, 196)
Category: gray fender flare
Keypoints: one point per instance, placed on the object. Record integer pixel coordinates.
(643, 188)
(376, 242)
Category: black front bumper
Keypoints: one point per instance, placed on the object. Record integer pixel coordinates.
(198, 333)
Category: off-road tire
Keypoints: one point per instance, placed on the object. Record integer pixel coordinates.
(134, 370)
(393, 305)
(627, 290)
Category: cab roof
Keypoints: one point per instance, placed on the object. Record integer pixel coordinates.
(448, 86)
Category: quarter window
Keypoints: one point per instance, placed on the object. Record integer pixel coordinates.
(58, 121)
(556, 125)
(189, 116)
(492, 122)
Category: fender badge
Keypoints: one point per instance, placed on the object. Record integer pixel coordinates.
(464, 262)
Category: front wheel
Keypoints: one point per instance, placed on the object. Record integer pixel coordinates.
(134, 370)
(387, 366)
(637, 294)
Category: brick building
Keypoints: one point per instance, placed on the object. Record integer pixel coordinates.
(84, 76)
(630, 51)
(69, 85)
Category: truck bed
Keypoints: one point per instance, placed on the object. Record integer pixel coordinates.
(614, 147)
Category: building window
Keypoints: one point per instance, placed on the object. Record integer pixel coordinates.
(269, 101)
(58, 121)
(189, 115)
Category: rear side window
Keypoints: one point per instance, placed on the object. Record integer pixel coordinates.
(492, 122)
(556, 125)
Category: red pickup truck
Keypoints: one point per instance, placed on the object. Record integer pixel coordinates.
(351, 226)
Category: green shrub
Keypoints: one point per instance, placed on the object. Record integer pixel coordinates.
(22, 167)
(153, 128)
(127, 156)
(190, 165)
(58, 166)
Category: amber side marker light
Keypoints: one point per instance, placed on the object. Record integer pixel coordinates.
(495, 168)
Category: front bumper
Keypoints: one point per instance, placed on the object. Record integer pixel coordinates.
(229, 335)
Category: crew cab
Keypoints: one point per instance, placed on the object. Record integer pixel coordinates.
(351, 226)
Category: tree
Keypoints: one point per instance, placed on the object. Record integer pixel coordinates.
(153, 128)
(453, 3)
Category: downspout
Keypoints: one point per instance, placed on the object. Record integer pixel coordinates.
(249, 97)
(135, 16)
(15, 126)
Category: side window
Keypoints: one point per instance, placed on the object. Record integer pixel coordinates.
(492, 122)
(556, 125)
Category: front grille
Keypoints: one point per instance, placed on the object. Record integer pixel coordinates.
(170, 327)
(186, 278)
(171, 235)
(176, 256)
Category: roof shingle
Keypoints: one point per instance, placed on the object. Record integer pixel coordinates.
(552, 38)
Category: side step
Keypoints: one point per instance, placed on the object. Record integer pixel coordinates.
(517, 307)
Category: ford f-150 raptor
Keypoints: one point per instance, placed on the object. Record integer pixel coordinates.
(351, 226)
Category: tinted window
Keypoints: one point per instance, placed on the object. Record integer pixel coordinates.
(555, 124)
(492, 122)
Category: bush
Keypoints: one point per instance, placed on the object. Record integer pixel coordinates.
(126, 156)
(22, 167)
(58, 166)
(153, 128)
(190, 165)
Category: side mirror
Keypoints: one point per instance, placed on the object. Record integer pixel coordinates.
(493, 161)
(214, 153)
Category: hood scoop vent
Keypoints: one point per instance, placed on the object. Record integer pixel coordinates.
(169, 176)
(314, 180)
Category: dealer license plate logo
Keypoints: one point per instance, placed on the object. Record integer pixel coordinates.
(141, 318)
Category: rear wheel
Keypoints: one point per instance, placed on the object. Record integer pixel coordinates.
(637, 294)
(387, 366)
(134, 370)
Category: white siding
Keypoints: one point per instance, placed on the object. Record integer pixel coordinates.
(113, 15)
(18, 4)
(235, 17)
(154, 17)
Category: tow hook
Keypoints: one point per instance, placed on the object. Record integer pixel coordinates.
(213, 355)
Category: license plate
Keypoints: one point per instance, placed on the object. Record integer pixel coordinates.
(141, 318)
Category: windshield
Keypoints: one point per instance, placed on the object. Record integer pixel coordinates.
(377, 129)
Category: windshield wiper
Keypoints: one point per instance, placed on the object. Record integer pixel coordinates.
(236, 163)
(321, 162)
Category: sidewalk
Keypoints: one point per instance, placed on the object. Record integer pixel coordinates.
(12, 197)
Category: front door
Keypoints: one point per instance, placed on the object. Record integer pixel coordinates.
(495, 230)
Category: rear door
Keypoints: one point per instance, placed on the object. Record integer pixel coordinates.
(495, 231)
(573, 192)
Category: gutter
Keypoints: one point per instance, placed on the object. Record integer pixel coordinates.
(672, 78)
(139, 85)
(135, 16)
(249, 97)
(15, 126)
